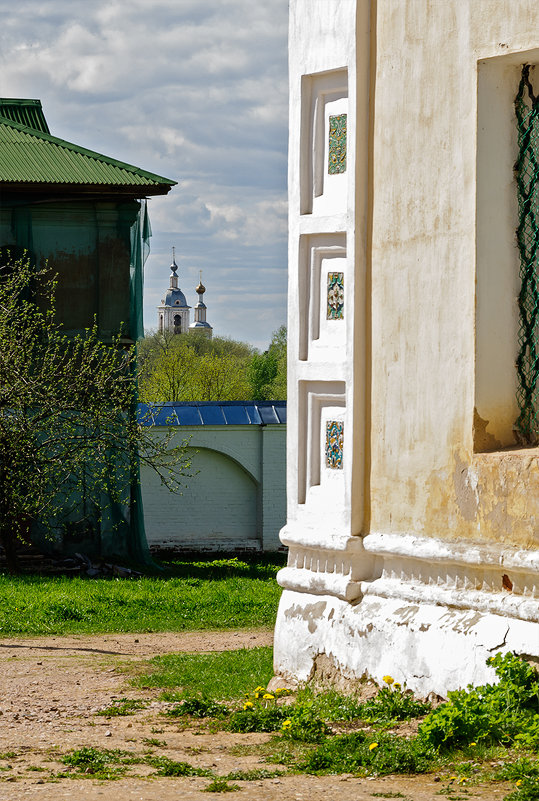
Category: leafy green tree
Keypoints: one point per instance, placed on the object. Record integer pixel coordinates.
(191, 367)
(267, 371)
(69, 434)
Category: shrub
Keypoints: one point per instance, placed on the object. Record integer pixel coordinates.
(501, 713)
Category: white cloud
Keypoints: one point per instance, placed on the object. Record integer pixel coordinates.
(195, 91)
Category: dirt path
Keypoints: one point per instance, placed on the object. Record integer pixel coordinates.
(52, 687)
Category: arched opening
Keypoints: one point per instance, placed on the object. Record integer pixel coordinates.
(218, 510)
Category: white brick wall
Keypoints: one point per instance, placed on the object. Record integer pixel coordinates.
(236, 500)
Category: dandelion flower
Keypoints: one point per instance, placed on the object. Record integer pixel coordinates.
(268, 696)
(473, 743)
(388, 679)
(397, 685)
(372, 746)
(248, 705)
(257, 695)
(519, 782)
(287, 724)
(259, 689)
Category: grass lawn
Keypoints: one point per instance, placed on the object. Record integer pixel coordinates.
(220, 675)
(216, 594)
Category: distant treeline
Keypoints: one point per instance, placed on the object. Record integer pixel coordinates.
(191, 367)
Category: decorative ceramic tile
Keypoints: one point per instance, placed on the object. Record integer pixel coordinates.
(334, 444)
(335, 309)
(337, 144)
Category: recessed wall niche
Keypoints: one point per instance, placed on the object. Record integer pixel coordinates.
(322, 446)
(325, 131)
(322, 293)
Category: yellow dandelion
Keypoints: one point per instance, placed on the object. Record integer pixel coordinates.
(388, 679)
(257, 695)
(372, 746)
(268, 696)
(473, 743)
(397, 685)
(248, 705)
(452, 778)
(259, 689)
(519, 782)
(287, 724)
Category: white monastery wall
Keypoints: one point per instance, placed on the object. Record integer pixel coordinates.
(235, 498)
(412, 515)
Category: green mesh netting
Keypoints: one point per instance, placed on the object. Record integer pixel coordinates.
(121, 530)
(141, 232)
(527, 177)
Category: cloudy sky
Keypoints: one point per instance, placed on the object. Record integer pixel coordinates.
(195, 90)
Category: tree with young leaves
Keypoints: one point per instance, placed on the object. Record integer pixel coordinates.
(192, 367)
(69, 433)
(267, 371)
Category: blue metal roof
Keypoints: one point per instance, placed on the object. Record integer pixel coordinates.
(213, 413)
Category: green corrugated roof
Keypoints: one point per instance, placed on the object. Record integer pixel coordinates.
(25, 112)
(29, 156)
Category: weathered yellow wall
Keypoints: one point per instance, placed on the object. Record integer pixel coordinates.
(425, 477)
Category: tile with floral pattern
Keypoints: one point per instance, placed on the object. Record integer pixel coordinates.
(337, 144)
(335, 307)
(334, 444)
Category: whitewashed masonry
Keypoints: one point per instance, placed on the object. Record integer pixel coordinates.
(413, 517)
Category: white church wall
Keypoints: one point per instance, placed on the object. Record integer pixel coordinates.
(421, 557)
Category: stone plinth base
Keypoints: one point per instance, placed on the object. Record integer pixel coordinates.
(431, 648)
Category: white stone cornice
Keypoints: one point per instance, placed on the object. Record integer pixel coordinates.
(458, 552)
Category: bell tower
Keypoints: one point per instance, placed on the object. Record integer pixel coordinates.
(173, 313)
(200, 323)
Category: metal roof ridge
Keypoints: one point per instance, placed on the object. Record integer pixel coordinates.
(55, 140)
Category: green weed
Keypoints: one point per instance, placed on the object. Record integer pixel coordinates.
(154, 742)
(393, 702)
(253, 775)
(503, 713)
(198, 708)
(525, 767)
(221, 786)
(527, 790)
(168, 767)
(121, 707)
(259, 719)
(304, 724)
(357, 753)
(98, 763)
(331, 705)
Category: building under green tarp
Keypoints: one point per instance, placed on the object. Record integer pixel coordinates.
(85, 215)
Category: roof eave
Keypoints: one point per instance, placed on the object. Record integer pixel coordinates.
(136, 191)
